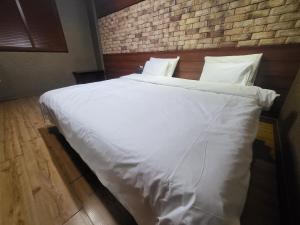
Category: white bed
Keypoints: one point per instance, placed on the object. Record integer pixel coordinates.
(172, 151)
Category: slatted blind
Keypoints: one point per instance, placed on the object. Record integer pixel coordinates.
(30, 25)
(12, 30)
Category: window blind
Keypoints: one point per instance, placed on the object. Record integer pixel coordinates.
(30, 25)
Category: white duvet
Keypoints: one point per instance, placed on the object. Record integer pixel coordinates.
(172, 151)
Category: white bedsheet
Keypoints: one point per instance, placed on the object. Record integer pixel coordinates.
(172, 151)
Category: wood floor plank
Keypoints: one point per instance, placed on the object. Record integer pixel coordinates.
(98, 212)
(32, 112)
(2, 123)
(82, 189)
(79, 218)
(2, 131)
(12, 146)
(2, 152)
(17, 203)
(94, 207)
(91, 203)
(52, 195)
(23, 128)
(62, 159)
(17, 129)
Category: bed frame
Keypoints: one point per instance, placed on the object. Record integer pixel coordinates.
(278, 68)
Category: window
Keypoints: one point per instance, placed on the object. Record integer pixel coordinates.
(30, 25)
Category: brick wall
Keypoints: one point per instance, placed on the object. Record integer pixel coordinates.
(161, 25)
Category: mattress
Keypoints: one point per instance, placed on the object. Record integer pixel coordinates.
(172, 151)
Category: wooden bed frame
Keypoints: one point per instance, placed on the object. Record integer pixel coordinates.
(278, 68)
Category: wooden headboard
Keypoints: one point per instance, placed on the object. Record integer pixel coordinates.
(278, 68)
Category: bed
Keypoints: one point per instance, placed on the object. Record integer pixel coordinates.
(172, 151)
(277, 71)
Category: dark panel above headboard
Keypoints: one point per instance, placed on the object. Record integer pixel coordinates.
(278, 68)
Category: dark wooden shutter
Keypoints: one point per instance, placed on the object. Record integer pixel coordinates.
(44, 24)
(12, 29)
(36, 20)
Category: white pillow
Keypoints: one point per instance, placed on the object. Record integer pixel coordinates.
(253, 59)
(172, 64)
(156, 68)
(234, 73)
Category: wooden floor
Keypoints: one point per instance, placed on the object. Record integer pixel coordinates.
(39, 183)
(36, 189)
